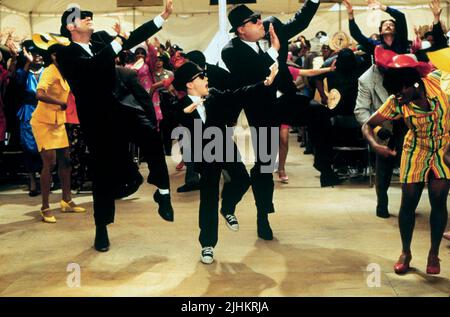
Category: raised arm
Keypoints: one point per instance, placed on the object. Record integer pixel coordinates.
(400, 22)
(355, 31)
(440, 41)
(301, 19)
(150, 28)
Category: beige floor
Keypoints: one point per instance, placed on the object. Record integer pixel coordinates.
(325, 240)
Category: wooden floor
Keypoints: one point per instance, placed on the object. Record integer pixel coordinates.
(328, 243)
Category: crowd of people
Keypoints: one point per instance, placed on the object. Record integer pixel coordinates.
(77, 101)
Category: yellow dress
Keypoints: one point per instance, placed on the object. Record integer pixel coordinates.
(48, 120)
(428, 134)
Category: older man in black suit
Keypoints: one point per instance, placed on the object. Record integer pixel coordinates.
(248, 60)
(88, 64)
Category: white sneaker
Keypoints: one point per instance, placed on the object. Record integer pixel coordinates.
(207, 256)
(231, 221)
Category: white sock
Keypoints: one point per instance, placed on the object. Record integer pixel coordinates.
(163, 191)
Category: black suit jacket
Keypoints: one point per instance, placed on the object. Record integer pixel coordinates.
(218, 77)
(92, 78)
(220, 108)
(132, 95)
(248, 67)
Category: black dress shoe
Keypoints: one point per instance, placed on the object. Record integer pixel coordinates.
(165, 209)
(34, 193)
(329, 179)
(307, 152)
(188, 188)
(101, 243)
(383, 213)
(264, 230)
(129, 188)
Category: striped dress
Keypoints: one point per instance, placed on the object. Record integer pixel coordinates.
(428, 135)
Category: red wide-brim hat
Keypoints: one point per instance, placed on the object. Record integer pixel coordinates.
(389, 59)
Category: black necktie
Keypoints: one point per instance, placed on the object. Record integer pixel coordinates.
(91, 48)
(260, 51)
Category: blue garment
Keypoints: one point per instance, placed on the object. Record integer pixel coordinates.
(29, 81)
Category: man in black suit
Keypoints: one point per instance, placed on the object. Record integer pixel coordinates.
(212, 114)
(88, 64)
(249, 63)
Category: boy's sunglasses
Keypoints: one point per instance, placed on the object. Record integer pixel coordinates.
(199, 75)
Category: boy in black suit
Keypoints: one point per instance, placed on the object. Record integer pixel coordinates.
(204, 110)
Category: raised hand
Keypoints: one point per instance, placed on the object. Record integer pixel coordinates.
(167, 10)
(118, 29)
(349, 7)
(435, 7)
(13, 50)
(274, 38)
(28, 55)
(273, 73)
(376, 5)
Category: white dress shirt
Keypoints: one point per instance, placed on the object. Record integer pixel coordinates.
(200, 107)
(158, 20)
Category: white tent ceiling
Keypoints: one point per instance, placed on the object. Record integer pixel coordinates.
(194, 22)
(181, 6)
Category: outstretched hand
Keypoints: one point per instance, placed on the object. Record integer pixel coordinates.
(193, 106)
(377, 5)
(28, 55)
(273, 73)
(435, 7)
(167, 10)
(274, 38)
(118, 29)
(348, 6)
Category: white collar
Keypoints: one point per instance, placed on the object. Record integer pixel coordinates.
(36, 72)
(86, 47)
(252, 45)
(195, 99)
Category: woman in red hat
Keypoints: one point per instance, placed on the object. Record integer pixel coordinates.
(417, 97)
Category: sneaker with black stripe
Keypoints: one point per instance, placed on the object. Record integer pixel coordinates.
(231, 221)
(207, 256)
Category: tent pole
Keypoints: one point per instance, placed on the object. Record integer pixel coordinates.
(340, 16)
(134, 18)
(30, 17)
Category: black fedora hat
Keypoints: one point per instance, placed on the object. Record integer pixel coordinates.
(238, 15)
(69, 17)
(186, 73)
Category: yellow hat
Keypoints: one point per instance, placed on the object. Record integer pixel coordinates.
(46, 40)
(441, 59)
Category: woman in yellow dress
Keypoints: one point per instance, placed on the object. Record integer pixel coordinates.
(50, 133)
(416, 97)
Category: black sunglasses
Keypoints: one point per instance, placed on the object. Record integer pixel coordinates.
(253, 19)
(199, 75)
(85, 14)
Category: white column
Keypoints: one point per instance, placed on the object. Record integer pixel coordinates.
(214, 48)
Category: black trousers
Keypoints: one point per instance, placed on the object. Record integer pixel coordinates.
(385, 166)
(141, 131)
(232, 194)
(112, 163)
